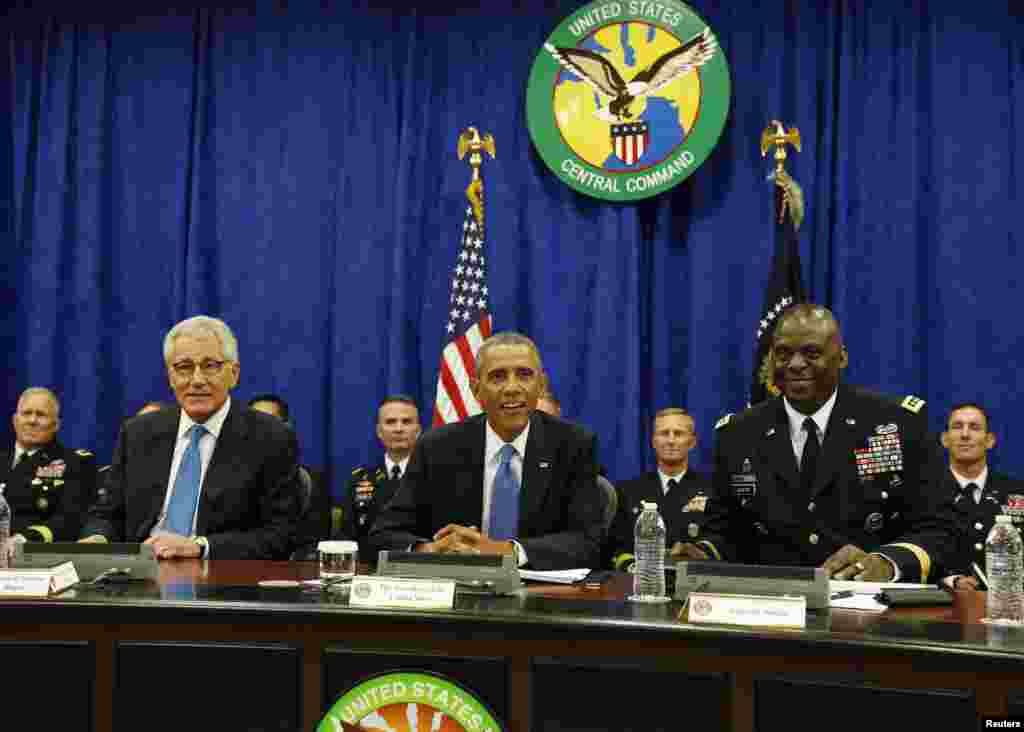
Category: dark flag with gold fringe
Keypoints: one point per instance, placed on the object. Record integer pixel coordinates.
(785, 284)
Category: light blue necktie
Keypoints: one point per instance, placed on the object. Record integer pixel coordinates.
(505, 498)
(182, 507)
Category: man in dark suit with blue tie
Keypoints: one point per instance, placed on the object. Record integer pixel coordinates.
(512, 480)
(213, 479)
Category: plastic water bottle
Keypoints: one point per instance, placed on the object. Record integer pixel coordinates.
(649, 576)
(5, 530)
(1004, 564)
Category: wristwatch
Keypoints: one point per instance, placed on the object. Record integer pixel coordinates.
(204, 545)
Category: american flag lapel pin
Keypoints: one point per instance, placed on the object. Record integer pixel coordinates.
(544, 465)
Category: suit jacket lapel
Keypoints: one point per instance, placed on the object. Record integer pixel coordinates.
(840, 440)
(778, 448)
(537, 467)
(963, 501)
(157, 468)
(219, 475)
(469, 483)
(26, 470)
(652, 488)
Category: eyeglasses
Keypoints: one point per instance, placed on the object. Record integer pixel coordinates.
(184, 370)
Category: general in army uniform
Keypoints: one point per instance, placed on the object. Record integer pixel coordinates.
(827, 474)
(47, 485)
(979, 494)
(681, 494)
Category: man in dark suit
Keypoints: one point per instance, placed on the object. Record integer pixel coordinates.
(528, 479)
(826, 474)
(212, 479)
(370, 489)
(681, 494)
(314, 523)
(47, 485)
(979, 494)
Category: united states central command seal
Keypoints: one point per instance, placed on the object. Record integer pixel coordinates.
(627, 99)
(409, 701)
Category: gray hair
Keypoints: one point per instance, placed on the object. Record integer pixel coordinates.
(205, 325)
(672, 412)
(42, 390)
(507, 338)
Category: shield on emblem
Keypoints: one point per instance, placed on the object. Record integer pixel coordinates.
(629, 141)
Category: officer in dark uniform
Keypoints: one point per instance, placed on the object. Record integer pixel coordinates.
(47, 485)
(827, 474)
(979, 494)
(370, 489)
(681, 494)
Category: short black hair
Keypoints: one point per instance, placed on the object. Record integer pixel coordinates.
(399, 398)
(275, 399)
(970, 405)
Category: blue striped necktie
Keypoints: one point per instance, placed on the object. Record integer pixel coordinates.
(182, 508)
(505, 498)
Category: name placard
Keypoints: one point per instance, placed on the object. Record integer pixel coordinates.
(757, 610)
(37, 582)
(402, 592)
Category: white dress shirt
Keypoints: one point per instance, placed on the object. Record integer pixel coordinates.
(207, 443)
(389, 465)
(979, 482)
(665, 478)
(798, 434)
(19, 451)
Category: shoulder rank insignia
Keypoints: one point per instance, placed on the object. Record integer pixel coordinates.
(723, 421)
(912, 404)
(83, 453)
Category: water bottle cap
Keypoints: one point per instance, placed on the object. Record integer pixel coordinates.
(1002, 519)
(649, 505)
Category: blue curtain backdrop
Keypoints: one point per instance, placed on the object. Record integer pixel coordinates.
(292, 169)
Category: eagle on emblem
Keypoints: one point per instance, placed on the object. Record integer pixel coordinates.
(603, 77)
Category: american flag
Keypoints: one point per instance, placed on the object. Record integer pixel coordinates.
(469, 321)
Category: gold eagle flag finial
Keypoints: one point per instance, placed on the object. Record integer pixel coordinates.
(472, 143)
(775, 135)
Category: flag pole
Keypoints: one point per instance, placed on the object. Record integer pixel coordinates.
(471, 143)
(785, 280)
(468, 316)
(775, 135)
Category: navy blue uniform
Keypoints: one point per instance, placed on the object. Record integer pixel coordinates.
(875, 487)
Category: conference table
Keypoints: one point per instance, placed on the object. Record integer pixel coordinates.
(207, 647)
